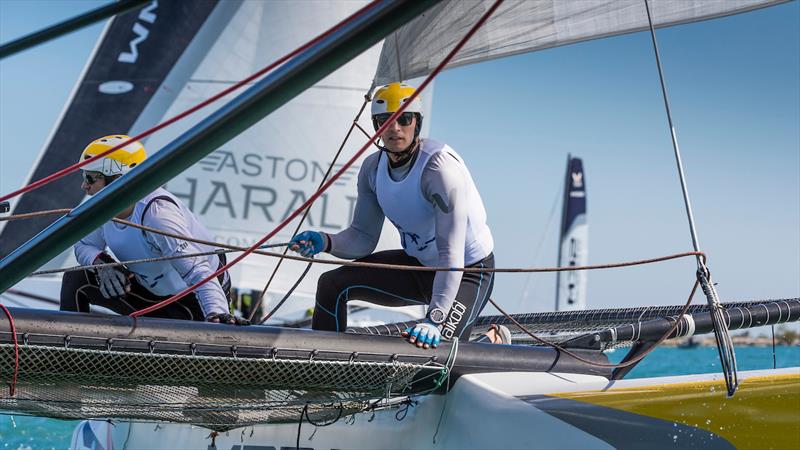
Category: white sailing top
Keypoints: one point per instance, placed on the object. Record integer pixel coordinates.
(162, 278)
(435, 206)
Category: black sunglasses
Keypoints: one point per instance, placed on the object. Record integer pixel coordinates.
(91, 179)
(404, 120)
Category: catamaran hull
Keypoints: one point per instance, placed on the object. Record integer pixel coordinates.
(524, 410)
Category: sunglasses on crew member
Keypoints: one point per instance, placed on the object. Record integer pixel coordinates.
(91, 178)
(404, 120)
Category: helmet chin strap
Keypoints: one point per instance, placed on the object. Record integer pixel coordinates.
(404, 155)
(108, 179)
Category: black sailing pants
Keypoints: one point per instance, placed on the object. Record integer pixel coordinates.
(80, 288)
(390, 287)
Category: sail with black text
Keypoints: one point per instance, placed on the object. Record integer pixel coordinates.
(128, 68)
(573, 243)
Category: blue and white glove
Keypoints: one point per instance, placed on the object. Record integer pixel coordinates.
(424, 334)
(308, 243)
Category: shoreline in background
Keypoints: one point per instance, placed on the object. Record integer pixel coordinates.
(783, 336)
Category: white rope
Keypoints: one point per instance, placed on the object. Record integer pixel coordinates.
(218, 251)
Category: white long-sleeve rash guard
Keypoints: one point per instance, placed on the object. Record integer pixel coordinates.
(166, 216)
(173, 275)
(446, 184)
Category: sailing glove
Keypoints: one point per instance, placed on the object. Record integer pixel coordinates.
(424, 334)
(113, 282)
(308, 243)
(230, 319)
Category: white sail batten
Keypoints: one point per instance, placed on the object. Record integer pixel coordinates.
(522, 26)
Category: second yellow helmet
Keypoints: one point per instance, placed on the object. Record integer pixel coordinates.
(118, 162)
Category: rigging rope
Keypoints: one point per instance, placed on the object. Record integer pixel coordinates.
(218, 251)
(620, 365)
(260, 299)
(12, 387)
(528, 285)
(382, 265)
(336, 176)
(67, 170)
(68, 26)
(727, 355)
(287, 295)
(272, 312)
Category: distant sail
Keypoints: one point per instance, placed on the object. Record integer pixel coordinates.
(574, 240)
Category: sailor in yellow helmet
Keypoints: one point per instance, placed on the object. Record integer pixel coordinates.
(136, 286)
(424, 188)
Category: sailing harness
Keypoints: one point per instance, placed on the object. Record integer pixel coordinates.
(223, 278)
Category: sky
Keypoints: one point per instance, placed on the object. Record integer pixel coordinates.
(734, 87)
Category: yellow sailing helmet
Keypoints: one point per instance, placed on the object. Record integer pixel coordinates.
(118, 162)
(388, 99)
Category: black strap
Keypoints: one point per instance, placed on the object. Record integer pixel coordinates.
(225, 284)
(147, 207)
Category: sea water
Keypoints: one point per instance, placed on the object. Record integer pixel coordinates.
(23, 433)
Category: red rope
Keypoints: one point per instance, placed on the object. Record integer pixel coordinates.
(346, 166)
(13, 386)
(74, 167)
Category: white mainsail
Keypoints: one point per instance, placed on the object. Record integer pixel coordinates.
(521, 26)
(249, 185)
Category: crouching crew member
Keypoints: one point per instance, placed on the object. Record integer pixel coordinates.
(137, 286)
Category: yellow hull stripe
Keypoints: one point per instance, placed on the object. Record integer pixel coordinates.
(764, 413)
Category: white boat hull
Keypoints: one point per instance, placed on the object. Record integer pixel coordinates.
(528, 410)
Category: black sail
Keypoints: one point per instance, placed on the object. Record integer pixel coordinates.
(130, 63)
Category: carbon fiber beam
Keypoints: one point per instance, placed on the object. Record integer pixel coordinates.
(68, 26)
(44, 327)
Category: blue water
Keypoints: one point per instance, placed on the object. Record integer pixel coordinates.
(23, 433)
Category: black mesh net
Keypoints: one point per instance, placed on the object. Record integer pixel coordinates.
(217, 392)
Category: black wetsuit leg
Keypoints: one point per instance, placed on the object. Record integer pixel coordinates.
(472, 296)
(389, 287)
(80, 288)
